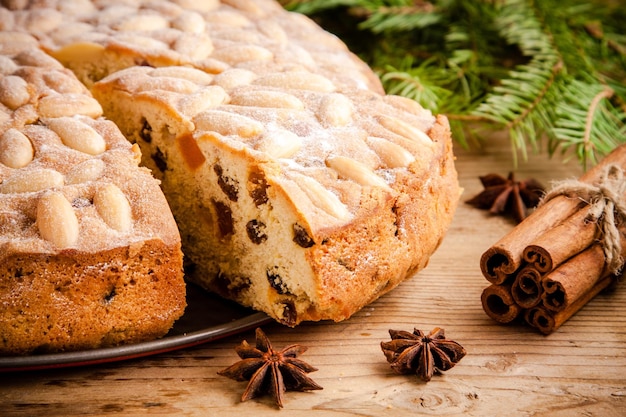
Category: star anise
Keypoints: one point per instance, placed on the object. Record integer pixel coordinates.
(421, 354)
(507, 196)
(269, 370)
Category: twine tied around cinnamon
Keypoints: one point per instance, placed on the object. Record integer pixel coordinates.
(606, 207)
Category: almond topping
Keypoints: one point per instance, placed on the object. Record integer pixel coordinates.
(78, 135)
(404, 129)
(87, 171)
(393, 155)
(32, 181)
(205, 98)
(189, 21)
(226, 124)
(13, 91)
(335, 110)
(298, 80)
(187, 73)
(113, 207)
(59, 105)
(323, 198)
(236, 54)
(270, 99)
(16, 151)
(281, 143)
(56, 220)
(356, 171)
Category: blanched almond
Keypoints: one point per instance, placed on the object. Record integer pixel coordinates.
(248, 6)
(356, 171)
(78, 135)
(236, 54)
(177, 85)
(189, 21)
(203, 99)
(265, 98)
(226, 123)
(195, 46)
(186, 73)
(323, 198)
(406, 104)
(16, 151)
(142, 23)
(87, 171)
(59, 105)
(234, 77)
(199, 5)
(113, 207)
(393, 155)
(32, 181)
(335, 110)
(298, 80)
(402, 128)
(13, 91)
(281, 143)
(56, 220)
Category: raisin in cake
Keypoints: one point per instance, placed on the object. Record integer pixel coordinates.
(299, 187)
(89, 251)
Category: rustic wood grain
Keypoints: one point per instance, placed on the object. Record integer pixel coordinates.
(509, 369)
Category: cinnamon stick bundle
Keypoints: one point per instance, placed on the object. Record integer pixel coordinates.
(561, 256)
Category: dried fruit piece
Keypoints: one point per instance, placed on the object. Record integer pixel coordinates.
(257, 187)
(301, 237)
(229, 185)
(225, 223)
(256, 231)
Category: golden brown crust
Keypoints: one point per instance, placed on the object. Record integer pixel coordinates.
(76, 301)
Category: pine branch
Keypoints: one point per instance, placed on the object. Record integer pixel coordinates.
(553, 69)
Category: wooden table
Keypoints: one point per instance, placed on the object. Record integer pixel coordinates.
(509, 369)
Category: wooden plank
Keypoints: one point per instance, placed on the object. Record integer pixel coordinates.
(509, 369)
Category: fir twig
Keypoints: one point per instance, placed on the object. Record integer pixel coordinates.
(553, 69)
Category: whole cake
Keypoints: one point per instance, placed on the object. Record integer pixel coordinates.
(300, 189)
(89, 251)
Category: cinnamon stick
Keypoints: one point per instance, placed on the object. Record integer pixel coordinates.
(560, 243)
(527, 289)
(547, 321)
(499, 304)
(574, 278)
(506, 256)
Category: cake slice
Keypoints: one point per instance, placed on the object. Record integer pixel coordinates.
(90, 254)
